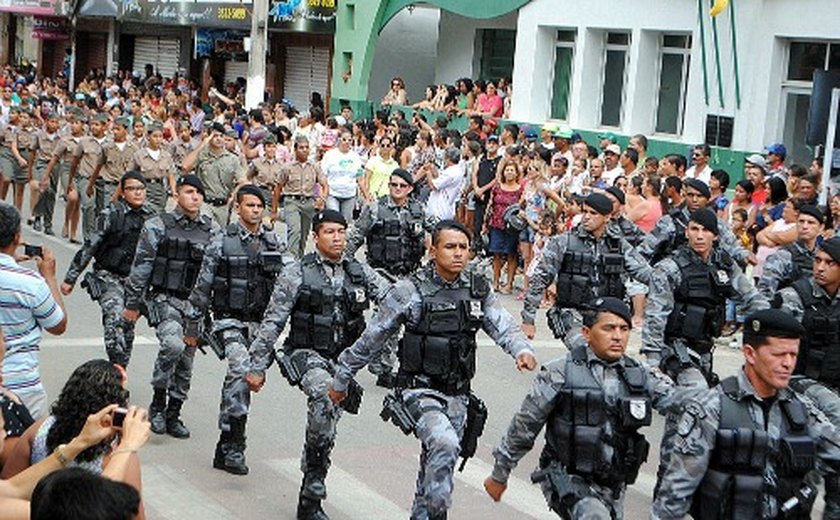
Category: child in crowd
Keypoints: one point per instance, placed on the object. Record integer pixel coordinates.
(329, 137)
(572, 216)
(738, 224)
(546, 228)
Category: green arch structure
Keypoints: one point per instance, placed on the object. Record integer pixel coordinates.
(358, 24)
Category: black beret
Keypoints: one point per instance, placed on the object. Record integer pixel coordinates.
(599, 202)
(191, 180)
(616, 192)
(832, 247)
(706, 218)
(614, 306)
(133, 174)
(329, 215)
(218, 127)
(773, 323)
(404, 175)
(700, 186)
(250, 189)
(814, 211)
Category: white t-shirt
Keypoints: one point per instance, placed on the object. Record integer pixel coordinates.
(611, 175)
(704, 175)
(447, 188)
(342, 171)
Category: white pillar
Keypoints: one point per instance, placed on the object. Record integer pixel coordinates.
(256, 54)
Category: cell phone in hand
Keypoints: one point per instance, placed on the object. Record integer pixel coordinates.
(33, 251)
(118, 418)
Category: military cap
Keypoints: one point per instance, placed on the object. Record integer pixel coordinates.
(613, 306)
(230, 132)
(123, 121)
(599, 202)
(100, 117)
(773, 323)
(706, 218)
(184, 124)
(832, 247)
(15, 109)
(404, 175)
(616, 192)
(132, 174)
(269, 138)
(53, 115)
(329, 215)
(250, 189)
(191, 180)
(814, 211)
(218, 127)
(700, 186)
(79, 116)
(154, 126)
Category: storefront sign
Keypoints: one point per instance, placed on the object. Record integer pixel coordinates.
(50, 28)
(205, 14)
(224, 44)
(41, 7)
(302, 15)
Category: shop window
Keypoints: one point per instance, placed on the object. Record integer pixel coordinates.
(562, 81)
(497, 50)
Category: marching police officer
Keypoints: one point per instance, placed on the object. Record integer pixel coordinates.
(442, 307)
(235, 281)
(748, 447)
(166, 265)
(324, 295)
(793, 261)
(392, 226)
(592, 403)
(112, 247)
(686, 306)
(591, 260)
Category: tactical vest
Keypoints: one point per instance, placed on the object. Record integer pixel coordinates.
(395, 246)
(179, 256)
(326, 319)
(734, 485)
(116, 251)
(582, 424)
(700, 300)
(819, 348)
(440, 348)
(802, 263)
(245, 276)
(585, 276)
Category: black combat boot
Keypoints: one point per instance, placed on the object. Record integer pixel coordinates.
(439, 516)
(174, 425)
(309, 509)
(157, 411)
(234, 460)
(221, 449)
(313, 489)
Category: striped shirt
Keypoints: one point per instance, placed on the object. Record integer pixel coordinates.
(26, 306)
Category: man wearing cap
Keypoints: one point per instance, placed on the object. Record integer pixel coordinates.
(793, 261)
(392, 227)
(324, 295)
(57, 176)
(813, 301)
(46, 141)
(112, 247)
(117, 152)
(561, 143)
(591, 260)
(686, 306)
(750, 447)
(264, 171)
(220, 172)
(442, 307)
(547, 135)
(669, 232)
(87, 157)
(613, 394)
(612, 170)
(755, 171)
(157, 165)
(776, 154)
(606, 139)
(235, 282)
(165, 268)
(182, 145)
(700, 168)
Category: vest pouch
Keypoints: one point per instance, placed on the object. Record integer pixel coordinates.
(588, 448)
(580, 291)
(634, 412)
(587, 407)
(796, 456)
(238, 297)
(814, 358)
(636, 453)
(300, 331)
(443, 317)
(750, 449)
(713, 498)
(159, 272)
(437, 357)
(746, 496)
(411, 352)
(175, 275)
(376, 249)
(322, 333)
(393, 249)
(613, 264)
(355, 299)
(694, 322)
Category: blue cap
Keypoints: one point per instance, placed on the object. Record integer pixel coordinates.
(778, 149)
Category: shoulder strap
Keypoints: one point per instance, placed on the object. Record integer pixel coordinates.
(734, 410)
(804, 290)
(169, 221)
(634, 376)
(354, 270)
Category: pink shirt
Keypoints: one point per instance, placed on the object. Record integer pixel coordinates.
(494, 105)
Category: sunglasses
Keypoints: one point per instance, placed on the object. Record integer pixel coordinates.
(399, 185)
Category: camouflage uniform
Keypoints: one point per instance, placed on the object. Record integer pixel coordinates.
(173, 366)
(233, 328)
(593, 500)
(408, 243)
(696, 443)
(157, 173)
(219, 173)
(44, 146)
(115, 234)
(680, 358)
(552, 264)
(782, 268)
(322, 415)
(441, 425)
(115, 163)
(634, 236)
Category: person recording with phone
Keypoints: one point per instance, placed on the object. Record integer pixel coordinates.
(32, 303)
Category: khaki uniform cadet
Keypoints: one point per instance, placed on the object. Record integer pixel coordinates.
(592, 403)
(47, 141)
(442, 307)
(112, 247)
(751, 447)
(264, 172)
(297, 183)
(166, 264)
(324, 296)
(157, 166)
(57, 171)
(87, 156)
(182, 145)
(117, 151)
(22, 151)
(138, 133)
(219, 170)
(8, 164)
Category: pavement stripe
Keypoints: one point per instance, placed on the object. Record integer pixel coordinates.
(170, 495)
(522, 496)
(352, 497)
(91, 341)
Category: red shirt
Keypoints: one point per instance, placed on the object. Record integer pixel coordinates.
(759, 196)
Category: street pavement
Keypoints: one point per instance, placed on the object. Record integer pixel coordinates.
(374, 464)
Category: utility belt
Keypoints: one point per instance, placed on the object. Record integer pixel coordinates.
(297, 197)
(154, 181)
(241, 316)
(101, 182)
(565, 490)
(294, 365)
(216, 203)
(407, 381)
(683, 357)
(94, 285)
